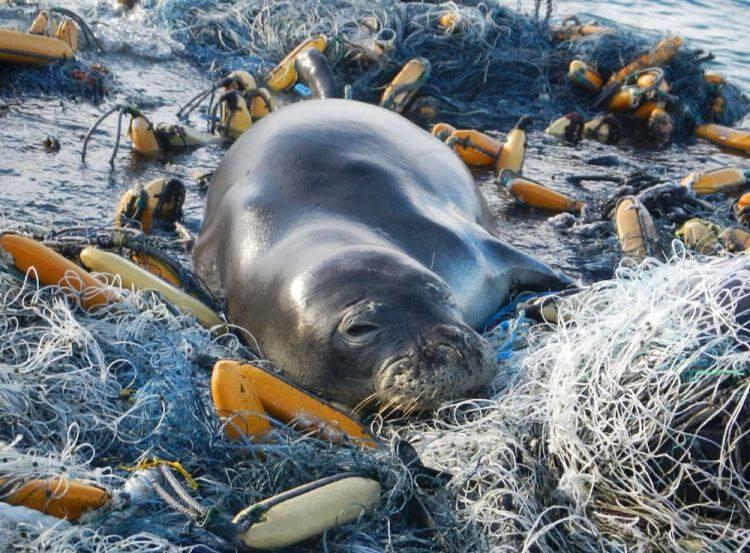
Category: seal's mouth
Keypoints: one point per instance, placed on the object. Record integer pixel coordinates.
(450, 362)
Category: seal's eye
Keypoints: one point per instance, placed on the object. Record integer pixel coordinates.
(360, 330)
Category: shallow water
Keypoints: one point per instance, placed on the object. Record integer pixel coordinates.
(153, 71)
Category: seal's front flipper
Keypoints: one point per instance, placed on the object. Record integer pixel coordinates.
(525, 273)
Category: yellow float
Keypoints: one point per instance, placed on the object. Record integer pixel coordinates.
(235, 399)
(307, 511)
(405, 84)
(284, 75)
(735, 239)
(635, 229)
(700, 235)
(57, 497)
(513, 151)
(291, 405)
(159, 200)
(537, 195)
(662, 53)
(442, 131)
(475, 148)
(728, 180)
(581, 75)
(134, 277)
(51, 268)
(725, 136)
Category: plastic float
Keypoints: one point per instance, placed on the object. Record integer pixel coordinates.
(135, 277)
(405, 84)
(284, 402)
(57, 497)
(513, 151)
(537, 195)
(284, 75)
(51, 268)
(475, 148)
(635, 229)
(727, 180)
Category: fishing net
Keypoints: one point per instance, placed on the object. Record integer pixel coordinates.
(624, 427)
(490, 64)
(102, 397)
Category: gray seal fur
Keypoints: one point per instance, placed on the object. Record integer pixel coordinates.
(361, 256)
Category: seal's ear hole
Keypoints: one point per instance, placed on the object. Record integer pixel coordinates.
(360, 329)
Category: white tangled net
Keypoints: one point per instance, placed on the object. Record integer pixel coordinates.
(624, 427)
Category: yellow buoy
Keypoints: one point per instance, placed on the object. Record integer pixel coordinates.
(134, 277)
(513, 151)
(235, 117)
(568, 127)
(159, 200)
(235, 399)
(581, 75)
(289, 404)
(605, 129)
(284, 75)
(57, 497)
(53, 269)
(157, 268)
(31, 49)
(536, 195)
(725, 136)
(143, 137)
(442, 131)
(307, 511)
(635, 229)
(700, 235)
(727, 180)
(260, 103)
(664, 51)
(68, 33)
(475, 148)
(735, 239)
(405, 84)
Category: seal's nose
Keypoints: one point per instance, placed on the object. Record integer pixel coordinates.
(455, 355)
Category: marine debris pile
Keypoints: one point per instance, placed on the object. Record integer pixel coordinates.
(93, 403)
(625, 426)
(489, 64)
(135, 417)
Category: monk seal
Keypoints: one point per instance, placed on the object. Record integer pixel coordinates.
(359, 253)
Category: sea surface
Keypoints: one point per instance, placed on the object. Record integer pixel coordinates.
(153, 71)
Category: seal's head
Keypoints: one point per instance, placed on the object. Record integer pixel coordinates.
(376, 327)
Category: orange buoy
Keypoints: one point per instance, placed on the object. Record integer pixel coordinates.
(53, 269)
(442, 131)
(534, 194)
(664, 51)
(725, 136)
(581, 75)
(724, 179)
(293, 406)
(235, 399)
(57, 497)
(475, 148)
(513, 152)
